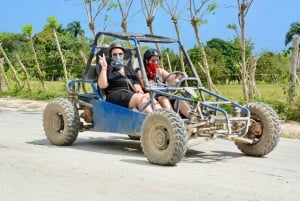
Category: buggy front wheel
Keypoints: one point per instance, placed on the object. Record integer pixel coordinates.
(61, 122)
(163, 137)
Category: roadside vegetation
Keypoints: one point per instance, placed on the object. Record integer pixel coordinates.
(271, 94)
(38, 66)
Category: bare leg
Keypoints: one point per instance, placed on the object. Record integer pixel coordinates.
(165, 102)
(184, 108)
(140, 100)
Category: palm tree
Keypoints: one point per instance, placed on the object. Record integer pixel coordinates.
(25, 71)
(149, 8)
(171, 7)
(290, 37)
(294, 29)
(27, 30)
(124, 12)
(197, 13)
(243, 8)
(75, 29)
(53, 25)
(5, 81)
(89, 11)
(10, 65)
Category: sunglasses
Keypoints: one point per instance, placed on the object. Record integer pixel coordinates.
(116, 54)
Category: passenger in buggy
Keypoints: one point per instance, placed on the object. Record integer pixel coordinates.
(157, 74)
(120, 82)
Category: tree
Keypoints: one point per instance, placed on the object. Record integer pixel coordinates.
(25, 71)
(216, 63)
(124, 12)
(3, 81)
(10, 65)
(53, 24)
(75, 29)
(293, 30)
(197, 21)
(27, 31)
(9, 44)
(149, 8)
(243, 8)
(272, 68)
(171, 7)
(231, 55)
(293, 75)
(89, 11)
(49, 57)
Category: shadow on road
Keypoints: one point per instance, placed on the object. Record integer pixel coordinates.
(108, 145)
(211, 156)
(122, 145)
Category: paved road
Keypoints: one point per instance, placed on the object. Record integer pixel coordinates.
(101, 166)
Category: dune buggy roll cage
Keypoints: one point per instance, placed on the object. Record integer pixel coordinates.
(203, 111)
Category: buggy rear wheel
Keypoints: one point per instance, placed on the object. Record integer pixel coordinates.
(61, 122)
(264, 130)
(163, 137)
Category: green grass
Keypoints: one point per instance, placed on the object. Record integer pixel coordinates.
(266, 92)
(52, 90)
(271, 94)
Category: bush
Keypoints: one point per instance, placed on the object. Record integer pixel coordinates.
(293, 112)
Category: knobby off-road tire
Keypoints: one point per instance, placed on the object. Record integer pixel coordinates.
(267, 138)
(61, 122)
(163, 137)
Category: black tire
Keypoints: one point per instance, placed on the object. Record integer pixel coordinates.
(134, 137)
(163, 137)
(61, 122)
(265, 134)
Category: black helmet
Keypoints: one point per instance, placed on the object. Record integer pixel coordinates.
(115, 45)
(151, 52)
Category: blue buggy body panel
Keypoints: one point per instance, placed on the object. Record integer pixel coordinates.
(110, 117)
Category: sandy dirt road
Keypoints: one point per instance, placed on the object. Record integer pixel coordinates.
(102, 166)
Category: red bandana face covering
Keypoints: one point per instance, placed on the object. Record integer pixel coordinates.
(151, 70)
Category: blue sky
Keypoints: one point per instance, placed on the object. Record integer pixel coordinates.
(267, 20)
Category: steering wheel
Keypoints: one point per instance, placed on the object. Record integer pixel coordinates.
(178, 76)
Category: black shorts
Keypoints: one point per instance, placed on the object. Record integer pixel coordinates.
(172, 100)
(120, 97)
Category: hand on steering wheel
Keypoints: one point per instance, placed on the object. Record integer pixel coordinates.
(178, 75)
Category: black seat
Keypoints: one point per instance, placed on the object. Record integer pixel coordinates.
(93, 70)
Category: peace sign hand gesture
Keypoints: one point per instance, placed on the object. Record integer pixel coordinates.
(102, 62)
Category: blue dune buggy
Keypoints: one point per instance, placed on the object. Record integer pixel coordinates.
(165, 135)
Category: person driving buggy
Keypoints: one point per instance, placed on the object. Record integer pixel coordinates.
(120, 82)
(157, 74)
